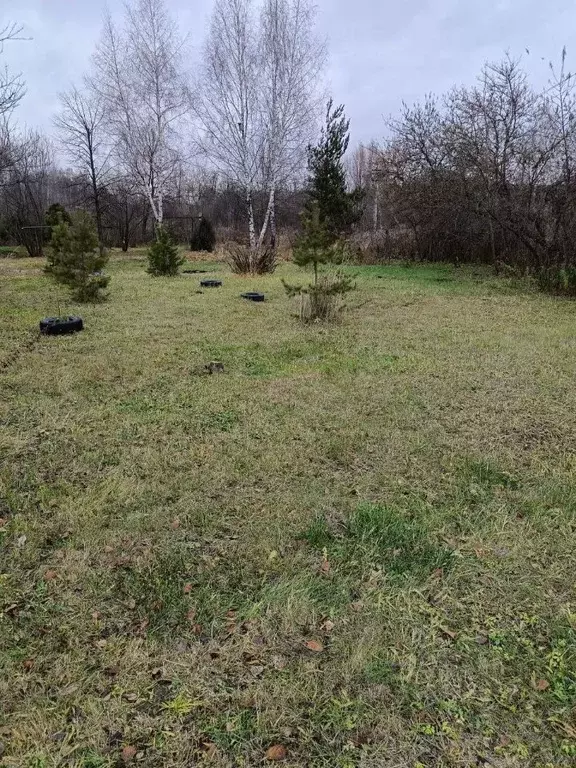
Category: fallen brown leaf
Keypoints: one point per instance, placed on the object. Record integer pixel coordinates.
(50, 575)
(449, 633)
(175, 524)
(327, 626)
(28, 664)
(3, 521)
(542, 685)
(187, 588)
(129, 753)
(131, 697)
(209, 748)
(276, 752)
(325, 567)
(568, 729)
(314, 645)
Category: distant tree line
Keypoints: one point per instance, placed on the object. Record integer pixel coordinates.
(148, 144)
(483, 174)
(34, 183)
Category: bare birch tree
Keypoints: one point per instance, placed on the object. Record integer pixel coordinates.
(258, 100)
(80, 125)
(291, 62)
(226, 103)
(138, 76)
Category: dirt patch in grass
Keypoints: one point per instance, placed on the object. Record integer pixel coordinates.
(356, 544)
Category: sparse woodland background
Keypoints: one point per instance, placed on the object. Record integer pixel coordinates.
(483, 174)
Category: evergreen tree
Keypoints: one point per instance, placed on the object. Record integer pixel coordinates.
(53, 216)
(315, 243)
(204, 237)
(75, 260)
(318, 300)
(338, 209)
(163, 256)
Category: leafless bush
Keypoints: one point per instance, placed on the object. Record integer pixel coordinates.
(244, 260)
(487, 174)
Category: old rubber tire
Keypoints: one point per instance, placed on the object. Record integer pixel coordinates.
(57, 326)
(253, 296)
(194, 271)
(210, 283)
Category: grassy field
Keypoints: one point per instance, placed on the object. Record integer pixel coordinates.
(355, 547)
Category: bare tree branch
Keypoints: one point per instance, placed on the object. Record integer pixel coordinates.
(139, 79)
(12, 87)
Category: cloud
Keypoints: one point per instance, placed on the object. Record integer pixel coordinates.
(381, 53)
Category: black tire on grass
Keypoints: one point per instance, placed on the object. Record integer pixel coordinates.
(58, 326)
(210, 283)
(253, 296)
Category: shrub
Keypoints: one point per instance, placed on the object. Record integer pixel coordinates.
(163, 256)
(558, 280)
(245, 261)
(75, 259)
(204, 237)
(321, 300)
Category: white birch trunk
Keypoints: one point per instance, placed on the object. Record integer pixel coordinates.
(160, 218)
(251, 226)
(268, 217)
(273, 221)
(152, 202)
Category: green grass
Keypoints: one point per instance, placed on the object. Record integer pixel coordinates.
(357, 541)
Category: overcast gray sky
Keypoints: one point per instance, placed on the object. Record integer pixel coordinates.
(380, 52)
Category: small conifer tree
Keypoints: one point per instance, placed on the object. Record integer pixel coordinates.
(163, 256)
(315, 246)
(338, 209)
(75, 259)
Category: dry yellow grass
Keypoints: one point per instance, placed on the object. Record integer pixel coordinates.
(356, 543)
